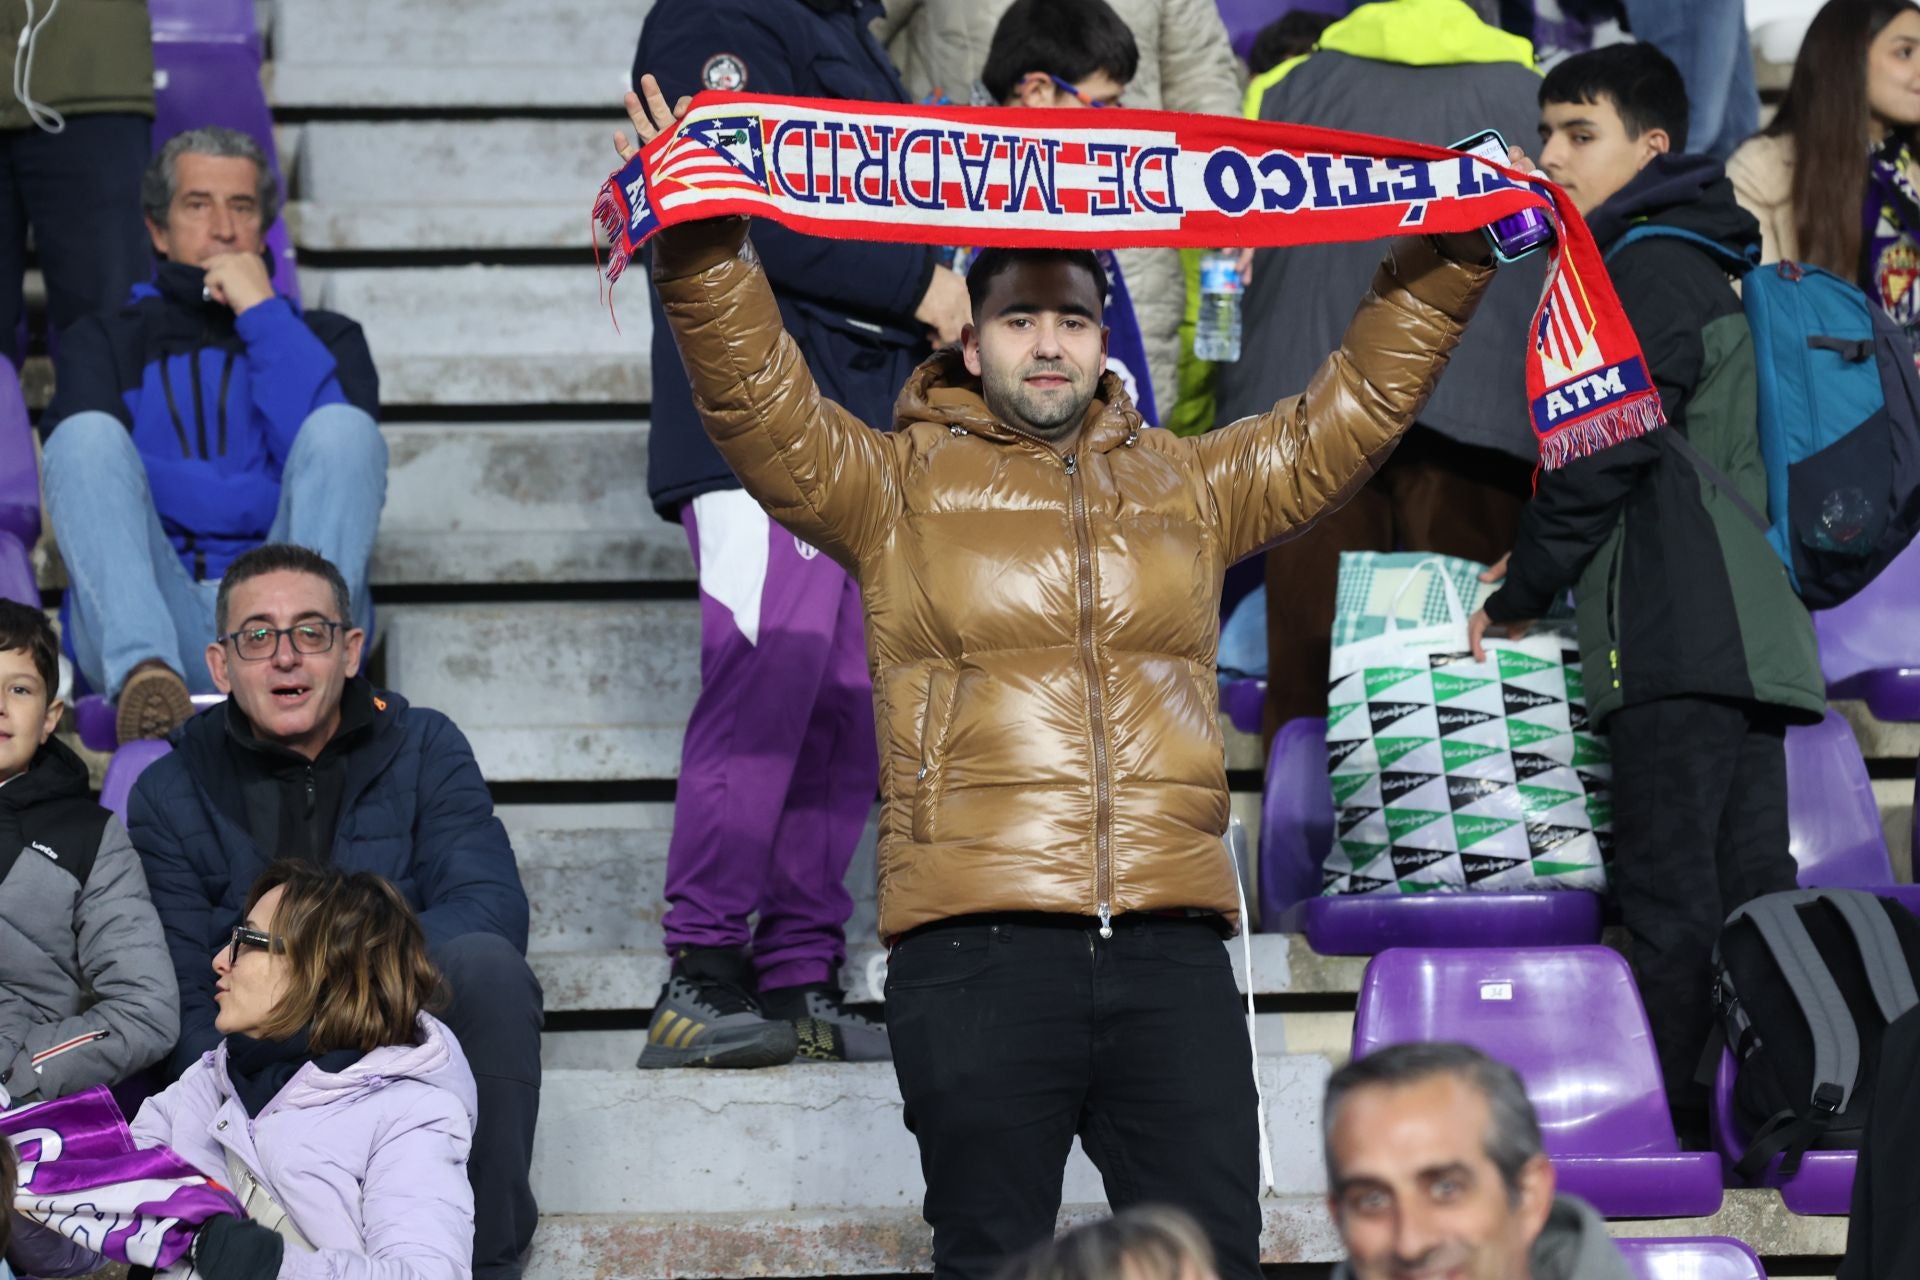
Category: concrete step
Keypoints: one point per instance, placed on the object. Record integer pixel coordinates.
(499, 53)
(895, 1241)
(810, 1135)
(522, 502)
(591, 691)
(554, 692)
(483, 184)
(478, 335)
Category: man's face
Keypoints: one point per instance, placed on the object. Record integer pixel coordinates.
(290, 697)
(1585, 148)
(215, 210)
(29, 713)
(1038, 347)
(1415, 1195)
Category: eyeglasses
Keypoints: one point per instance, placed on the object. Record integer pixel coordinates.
(257, 644)
(245, 937)
(1068, 87)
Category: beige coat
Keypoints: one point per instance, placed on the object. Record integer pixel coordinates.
(1762, 173)
(1042, 628)
(1186, 64)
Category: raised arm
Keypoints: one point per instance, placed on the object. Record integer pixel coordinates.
(816, 468)
(1273, 475)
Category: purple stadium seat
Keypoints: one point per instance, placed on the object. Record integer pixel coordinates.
(1244, 701)
(16, 570)
(1833, 822)
(128, 763)
(19, 470)
(1569, 1020)
(93, 718)
(1870, 646)
(1697, 1258)
(1823, 1187)
(1296, 832)
(206, 60)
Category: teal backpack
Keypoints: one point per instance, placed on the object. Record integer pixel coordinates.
(1839, 421)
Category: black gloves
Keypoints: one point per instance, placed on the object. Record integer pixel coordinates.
(230, 1248)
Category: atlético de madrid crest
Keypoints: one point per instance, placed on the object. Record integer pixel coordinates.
(725, 72)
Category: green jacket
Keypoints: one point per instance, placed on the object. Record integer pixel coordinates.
(1677, 594)
(91, 57)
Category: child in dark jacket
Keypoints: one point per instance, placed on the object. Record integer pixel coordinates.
(1697, 651)
(87, 993)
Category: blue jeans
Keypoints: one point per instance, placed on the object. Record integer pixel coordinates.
(1243, 639)
(1707, 40)
(132, 599)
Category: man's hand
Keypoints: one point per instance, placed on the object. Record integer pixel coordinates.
(1480, 624)
(238, 280)
(650, 115)
(1243, 263)
(1472, 246)
(945, 309)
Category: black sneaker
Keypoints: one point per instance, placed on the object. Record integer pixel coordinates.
(707, 1017)
(828, 1030)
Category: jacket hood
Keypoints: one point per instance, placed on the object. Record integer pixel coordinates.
(434, 1058)
(1423, 33)
(1684, 191)
(942, 393)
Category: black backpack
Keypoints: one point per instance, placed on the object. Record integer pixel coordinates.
(1806, 983)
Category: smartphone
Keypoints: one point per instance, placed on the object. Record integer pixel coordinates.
(1518, 234)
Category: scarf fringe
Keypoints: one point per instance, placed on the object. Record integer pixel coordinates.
(1582, 439)
(610, 215)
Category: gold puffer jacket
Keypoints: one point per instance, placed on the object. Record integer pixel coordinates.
(1042, 622)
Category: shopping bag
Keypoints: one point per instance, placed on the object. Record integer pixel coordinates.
(1449, 774)
(1373, 582)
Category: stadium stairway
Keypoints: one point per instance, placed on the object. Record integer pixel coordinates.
(441, 172)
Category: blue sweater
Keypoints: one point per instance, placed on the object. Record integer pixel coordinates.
(414, 809)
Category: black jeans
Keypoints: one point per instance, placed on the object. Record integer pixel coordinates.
(1700, 827)
(495, 1013)
(80, 192)
(1011, 1035)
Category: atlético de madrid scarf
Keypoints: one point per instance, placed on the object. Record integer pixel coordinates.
(1118, 179)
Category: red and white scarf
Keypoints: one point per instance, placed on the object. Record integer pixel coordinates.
(1051, 179)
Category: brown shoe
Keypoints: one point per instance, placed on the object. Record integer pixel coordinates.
(153, 703)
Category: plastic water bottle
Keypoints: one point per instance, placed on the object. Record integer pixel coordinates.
(1218, 334)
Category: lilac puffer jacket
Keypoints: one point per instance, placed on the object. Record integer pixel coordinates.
(370, 1163)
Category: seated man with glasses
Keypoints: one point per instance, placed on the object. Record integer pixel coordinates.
(306, 760)
(205, 416)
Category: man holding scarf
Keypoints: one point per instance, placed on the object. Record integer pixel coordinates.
(1041, 579)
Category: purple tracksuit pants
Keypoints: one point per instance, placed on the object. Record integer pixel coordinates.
(779, 768)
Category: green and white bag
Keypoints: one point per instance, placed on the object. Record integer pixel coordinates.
(1450, 774)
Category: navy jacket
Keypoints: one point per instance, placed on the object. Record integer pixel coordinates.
(849, 304)
(414, 809)
(213, 401)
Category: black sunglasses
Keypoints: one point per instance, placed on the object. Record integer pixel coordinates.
(245, 937)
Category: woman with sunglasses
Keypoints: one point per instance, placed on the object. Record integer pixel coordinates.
(336, 1107)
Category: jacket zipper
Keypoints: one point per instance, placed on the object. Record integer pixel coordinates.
(199, 406)
(65, 1046)
(173, 407)
(1096, 703)
(226, 380)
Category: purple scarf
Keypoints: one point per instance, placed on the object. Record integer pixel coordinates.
(81, 1177)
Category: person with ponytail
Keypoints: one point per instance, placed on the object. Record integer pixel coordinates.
(1835, 178)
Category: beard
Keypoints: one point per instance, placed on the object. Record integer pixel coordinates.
(1046, 414)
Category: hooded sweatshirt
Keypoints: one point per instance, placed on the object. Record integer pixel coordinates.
(1574, 1245)
(88, 994)
(1676, 593)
